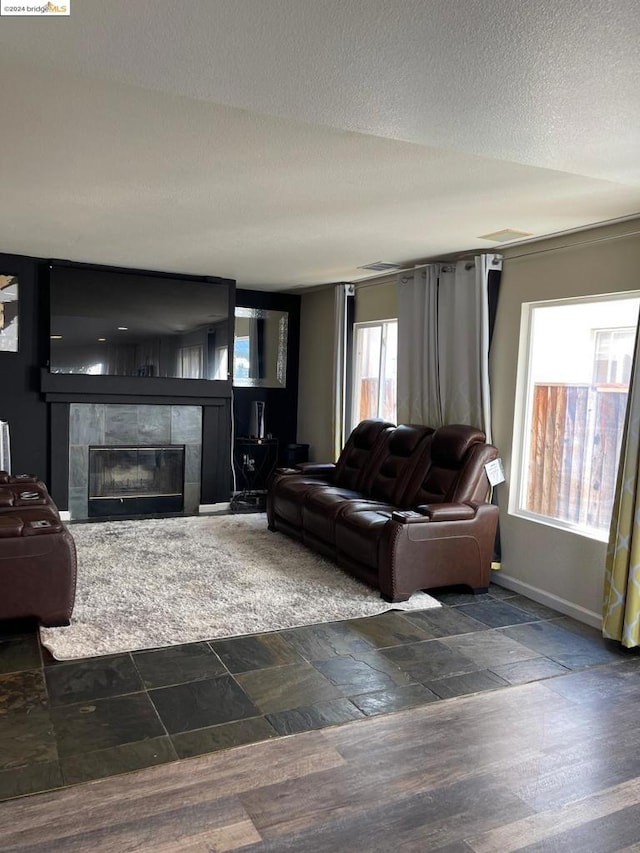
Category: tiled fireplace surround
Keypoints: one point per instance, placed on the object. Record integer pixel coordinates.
(111, 424)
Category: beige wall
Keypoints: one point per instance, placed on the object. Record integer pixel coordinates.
(315, 387)
(377, 300)
(554, 566)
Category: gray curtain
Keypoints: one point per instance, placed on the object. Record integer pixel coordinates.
(443, 344)
(419, 400)
(340, 337)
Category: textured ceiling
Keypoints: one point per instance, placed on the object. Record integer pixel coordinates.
(287, 142)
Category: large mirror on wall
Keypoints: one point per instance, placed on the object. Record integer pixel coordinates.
(8, 313)
(260, 348)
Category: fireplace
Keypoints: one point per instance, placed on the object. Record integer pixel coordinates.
(135, 480)
(133, 460)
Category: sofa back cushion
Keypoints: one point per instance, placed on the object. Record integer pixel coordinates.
(390, 474)
(361, 449)
(452, 468)
(472, 486)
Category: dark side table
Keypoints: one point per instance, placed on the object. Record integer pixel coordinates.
(253, 460)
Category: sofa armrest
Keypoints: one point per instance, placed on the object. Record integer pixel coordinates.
(453, 546)
(436, 512)
(448, 511)
(408, 516)
(316, 469)
(309, 469)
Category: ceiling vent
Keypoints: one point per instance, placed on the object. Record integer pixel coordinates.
(380, 266)
(505, 235)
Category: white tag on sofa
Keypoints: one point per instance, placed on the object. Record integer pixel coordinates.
(495, 471)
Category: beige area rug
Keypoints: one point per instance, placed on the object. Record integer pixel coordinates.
(149, 583)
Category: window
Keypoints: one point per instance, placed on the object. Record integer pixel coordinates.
(613, 355)
(221, 354)
(241, 357)
(573, 380)
(374, 370)
(190, 362)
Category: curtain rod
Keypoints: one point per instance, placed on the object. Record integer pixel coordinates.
(450, 267)
(371, 280)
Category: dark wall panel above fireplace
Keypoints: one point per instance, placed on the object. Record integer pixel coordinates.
(36, 403)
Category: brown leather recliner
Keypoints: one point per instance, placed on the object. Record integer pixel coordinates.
(419, 519)
(385, 483)
(446, 539)
(37, 554)
(289, 486)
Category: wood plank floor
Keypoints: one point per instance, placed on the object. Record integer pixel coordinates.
(547, 766)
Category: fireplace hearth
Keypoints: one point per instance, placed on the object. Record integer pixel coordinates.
(137, 480)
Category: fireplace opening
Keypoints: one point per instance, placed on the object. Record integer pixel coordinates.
(135, 480)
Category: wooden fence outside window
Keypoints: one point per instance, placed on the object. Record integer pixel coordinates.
(576, 434)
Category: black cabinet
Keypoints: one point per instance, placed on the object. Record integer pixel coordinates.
(295, 453)
(253, 461)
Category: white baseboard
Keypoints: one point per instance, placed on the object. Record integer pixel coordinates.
(224, 506)
(65, 515)
(548, 598)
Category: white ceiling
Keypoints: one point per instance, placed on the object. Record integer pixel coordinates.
(287, 142)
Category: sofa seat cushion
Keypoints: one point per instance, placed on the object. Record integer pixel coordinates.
(358, 531)
(322, 506)
(289, 494)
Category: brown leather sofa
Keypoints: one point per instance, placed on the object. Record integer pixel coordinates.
(37, 554)
(403, 509)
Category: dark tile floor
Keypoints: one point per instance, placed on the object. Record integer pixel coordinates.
(62, 723)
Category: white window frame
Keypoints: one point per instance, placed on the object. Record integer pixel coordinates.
(521, 437)
(599, 333)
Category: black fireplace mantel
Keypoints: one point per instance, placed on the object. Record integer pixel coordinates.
(60, 390)
(84, 388)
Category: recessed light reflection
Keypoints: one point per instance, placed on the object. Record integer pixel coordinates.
(56, 337)
(123, 328)
(102, 339)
